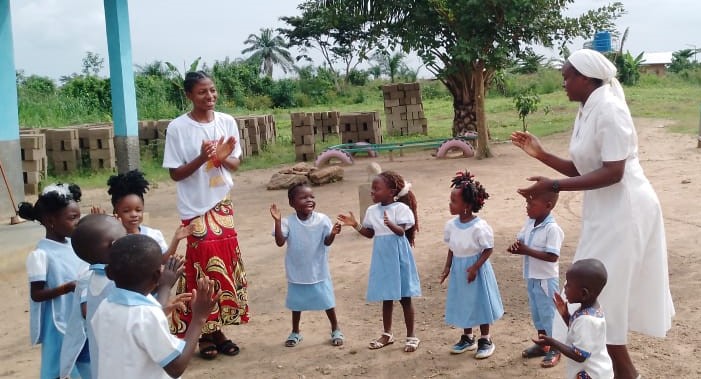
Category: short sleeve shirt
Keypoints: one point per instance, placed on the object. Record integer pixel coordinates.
(133, 337)
(306, 258)
(201, 191)
(468, 238)
(547, 237)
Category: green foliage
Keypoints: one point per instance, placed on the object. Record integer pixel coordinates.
(358, 77)
(282, 93)
(37, 86)
(526, 103)
(509, 84)
(628, 67)
(682, 60)
(90, 91)
(316, 83)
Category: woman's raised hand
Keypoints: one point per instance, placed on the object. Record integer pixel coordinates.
(207, 149)
(224, 147)
(528, 143)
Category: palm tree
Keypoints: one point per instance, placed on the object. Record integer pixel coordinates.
(269, 50)
(392, 64)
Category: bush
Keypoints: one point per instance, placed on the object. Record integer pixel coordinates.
(258, 102)
(434, 90)
(358, 77)
(282, 93)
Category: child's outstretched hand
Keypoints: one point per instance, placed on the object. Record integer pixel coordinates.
(183, 231)
(203, 298)
(172, 270)
(96, 210)
(177, 303)
(348, 220)
(561, 306)
(543, 340)
(336, 228)
(275, 212)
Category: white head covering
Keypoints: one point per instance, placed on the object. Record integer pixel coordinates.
(593, 64)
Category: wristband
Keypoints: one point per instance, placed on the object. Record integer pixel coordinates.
(358, 227)
(216, 162)
(556, 186)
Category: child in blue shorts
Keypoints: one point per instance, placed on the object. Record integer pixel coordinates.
(539, 242)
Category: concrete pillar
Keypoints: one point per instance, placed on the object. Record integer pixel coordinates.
(9, 118)
(126, 130)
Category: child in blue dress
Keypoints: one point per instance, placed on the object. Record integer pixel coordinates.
(473, 294)
(53, 269)
(393, 275)
(308, 235)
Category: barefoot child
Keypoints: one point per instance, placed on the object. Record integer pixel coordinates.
(473, 294)
(131, 330)
(53, 269)
(539, 242)
(308, 235)
(586, 336)
(393, 275)
(127, 192)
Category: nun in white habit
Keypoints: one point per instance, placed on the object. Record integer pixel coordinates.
(622, 223)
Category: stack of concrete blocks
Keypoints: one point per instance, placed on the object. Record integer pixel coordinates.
(360, 127)
(255, 132)
(63, 149)
(326, 125)
(404, 109)
(303, 136)
(96, 143)
(34, 163)
(152, 136)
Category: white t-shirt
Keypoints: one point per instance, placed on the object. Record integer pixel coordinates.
(132, 336)
(587, 334)
(156, 235)
(469, 238)
(398, 213)
(208, 185)
(546, 236)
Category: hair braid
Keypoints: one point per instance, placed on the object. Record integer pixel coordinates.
(472, 191)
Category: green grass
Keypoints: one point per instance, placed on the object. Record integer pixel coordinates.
(664, 98)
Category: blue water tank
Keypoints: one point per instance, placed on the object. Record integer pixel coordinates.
(602, 42)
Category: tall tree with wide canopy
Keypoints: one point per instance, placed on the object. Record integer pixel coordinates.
(464, 42)
(340, 36)
(270, 50)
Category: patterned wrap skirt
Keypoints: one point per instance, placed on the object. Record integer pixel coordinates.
(213, 252)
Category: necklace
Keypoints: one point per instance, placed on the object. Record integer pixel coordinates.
(193, 118)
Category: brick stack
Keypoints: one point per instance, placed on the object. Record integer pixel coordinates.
(326, 125)
(303, 136)
(360, 127)
(63, 149)
(255, 132)
(97, 146)
(34, 164)
(404, 109)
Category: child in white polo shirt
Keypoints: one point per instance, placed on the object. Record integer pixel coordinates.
(539, 242)
(130, 327)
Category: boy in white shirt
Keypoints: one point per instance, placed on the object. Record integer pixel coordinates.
(539, 241)
(586, 335)
(130, 327)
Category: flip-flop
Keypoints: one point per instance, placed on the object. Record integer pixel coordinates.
(293, 339)
(207, 349)
(337, 338)
(228, 347)
(533, 352)
(377, 344)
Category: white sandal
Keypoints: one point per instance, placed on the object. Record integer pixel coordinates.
(412, 344)
(377, 344)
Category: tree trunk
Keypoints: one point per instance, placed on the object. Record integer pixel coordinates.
(467, 87)
(483, 150)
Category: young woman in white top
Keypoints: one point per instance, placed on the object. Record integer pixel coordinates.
(202, 148)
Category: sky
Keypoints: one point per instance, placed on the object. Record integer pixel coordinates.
(52, 36)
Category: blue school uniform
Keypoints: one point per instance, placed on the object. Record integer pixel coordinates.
(75, 356)
(54, 263)
(393, 273)
(479, 302)
(309, 285)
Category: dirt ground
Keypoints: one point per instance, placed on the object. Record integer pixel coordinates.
(671, 161)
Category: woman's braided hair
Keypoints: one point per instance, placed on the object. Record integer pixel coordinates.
(396, 183)
(472, 191)
(131, 183)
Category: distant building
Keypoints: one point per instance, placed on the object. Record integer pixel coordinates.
(656, 63)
